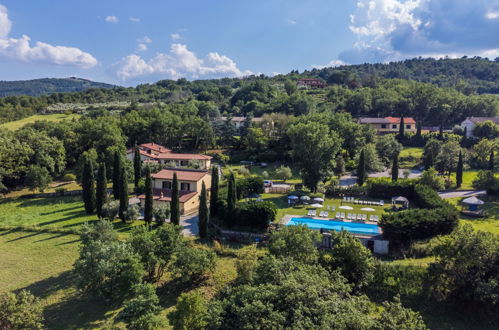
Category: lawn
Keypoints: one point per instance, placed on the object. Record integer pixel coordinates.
(490, 223)
(468, 177)
(14, 125)
(410, 157)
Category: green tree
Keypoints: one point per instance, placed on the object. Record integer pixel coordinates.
(314, 147)
(37, 177)
(192, 265)
(161, 213)
(448, 156)
(191, 312)
(148, 203)
(459, 170)
(431, 178)
(143, 304)
(144, 243)
(175, 204)
(431, 151)
(488, 130)
(361, 169)
(387, 147)
(137, 166)
(88, 186)
(284, 173)
(340, 165)
(110, 210)
(295, 242)
(491, 161)
(401, 135)
(214, 191)
(123, 195)
(395, 168)
(395, 317)
(20, 311)
(290, 87)
(203, 213)
(101, 189)
(231, 194)
(117, 168)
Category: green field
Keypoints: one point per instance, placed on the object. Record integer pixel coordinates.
(490, 223)
(410, 157)
(14, 125)
(258, 170)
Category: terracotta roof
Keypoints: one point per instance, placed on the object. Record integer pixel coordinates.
(183, 175)
(241, 119)
(478, 120)
(369, 120)
(396, 120)
(184, 196)
(174, 156)
(155, 147)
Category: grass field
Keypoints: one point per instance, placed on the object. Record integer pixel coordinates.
(14, 125)
(410, 157)
(490, 223)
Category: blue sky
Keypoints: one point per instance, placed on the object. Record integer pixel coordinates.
(130, 42)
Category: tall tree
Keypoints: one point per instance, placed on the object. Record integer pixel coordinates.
(401, 129)
(101, 190)
(123, 195)
(491, 160)
(459, 170)
(148, 203)
(203, 213)
(361, 169)
(175, 204)
(231, 193)
(214, 190)
(88, 186)
(418, 130)
(137, 166)
(117, 166)
(395, 168)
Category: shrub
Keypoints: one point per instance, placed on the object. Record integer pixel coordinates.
(385, 188)
(427, 198)
(487, 180)
(249, 185)
(431, 178)
(255, 214)
(110, 210)
(20, 311)
(193, 264)
(69, 177)
(244, 171)
(144, 302)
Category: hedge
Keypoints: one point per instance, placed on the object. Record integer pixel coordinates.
(248, 186)
(385, 188)
(255, 214)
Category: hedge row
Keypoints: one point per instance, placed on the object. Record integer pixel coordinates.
(385, 188)
(254, 214)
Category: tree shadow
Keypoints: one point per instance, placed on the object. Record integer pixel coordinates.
(70, 216)
(59, 211)
(44, 201)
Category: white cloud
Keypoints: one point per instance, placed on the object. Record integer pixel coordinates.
(332, 63)
(111, 19)
(134, 19)
(492, 15)
(177, 63)
(144, 40)
(291, 21)
(141, 47)
(21, 50)
(175, 36)
(5, 23)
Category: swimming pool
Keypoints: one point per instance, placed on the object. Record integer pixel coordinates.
(352, 227)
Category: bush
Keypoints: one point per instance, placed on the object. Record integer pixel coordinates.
(248, 186)
(244, 171)
(110, 210)
(427, 198)
(486, 180)
(255, 214)
(431, 178)
(385, 188)
(69, 177)
(193, 264)
(20, 311)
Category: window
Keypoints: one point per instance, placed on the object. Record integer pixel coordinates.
(184, 163)
(185, 186)
(383, 125)
(408, 126)
(394, 126)
(167, 185)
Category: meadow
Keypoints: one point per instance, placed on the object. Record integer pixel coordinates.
(15, 125)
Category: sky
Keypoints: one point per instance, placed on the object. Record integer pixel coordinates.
(129, 42)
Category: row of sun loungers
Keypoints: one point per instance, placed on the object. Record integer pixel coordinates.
(358, 201)
(356, 217)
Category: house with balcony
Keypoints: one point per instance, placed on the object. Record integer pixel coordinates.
(189, 185)
(388, 125)
(153, 152)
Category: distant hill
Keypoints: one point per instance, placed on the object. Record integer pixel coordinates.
(46, 86)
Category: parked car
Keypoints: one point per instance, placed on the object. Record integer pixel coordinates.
(267, 183)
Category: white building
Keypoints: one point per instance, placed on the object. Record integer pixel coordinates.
(471, 122)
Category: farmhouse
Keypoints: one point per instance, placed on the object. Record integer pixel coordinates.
(388, 124)
(157, 153)
(471, 122)
(189, 184)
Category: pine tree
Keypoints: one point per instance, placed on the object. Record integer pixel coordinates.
(203, 213)
(101, 190)
(459, 170)
(361, 169)
(175, 204)
(123, 194)
(401, 129)
(148, 203)
(214, 191)
(117, 166)
(231, 194)
(88, 186)
(491, 161)
(395, 168)
(137, 167)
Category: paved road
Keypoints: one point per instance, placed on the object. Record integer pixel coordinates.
(189, 224)
(461, 193)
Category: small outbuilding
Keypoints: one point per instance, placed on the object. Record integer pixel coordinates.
(400, 200)
(473, 203)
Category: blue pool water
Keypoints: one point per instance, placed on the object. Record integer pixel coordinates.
(352, 227)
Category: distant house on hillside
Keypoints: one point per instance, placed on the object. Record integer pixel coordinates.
(157, 153)
(388, 124)
(189, 185)
(471, 122)
(239, 121)
(310, 83)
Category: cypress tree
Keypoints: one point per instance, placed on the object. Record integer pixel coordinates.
(137, 167)
(117, 166)
(395, 168)
(123, 194)
(418, 130)
(441, 131)
(175, 204)
(88, 186)
(459, 170)
(148, 201)
(101, 190)
(231, 194)
(491, 161)
(401, 129)
(361, 169)
(214, 191)
(203, 213)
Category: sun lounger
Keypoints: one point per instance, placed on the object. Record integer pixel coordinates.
(342, 215)
(381, 203)
(326, 214)
(359, 216)
(333, 208)
(338, 215)
(364, 217)
(309, 213)
(349, 216)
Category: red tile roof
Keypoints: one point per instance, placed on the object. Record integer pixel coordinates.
(396, 120)
(174, 156)
(155, 147)
(183, 175)
(166, 195)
